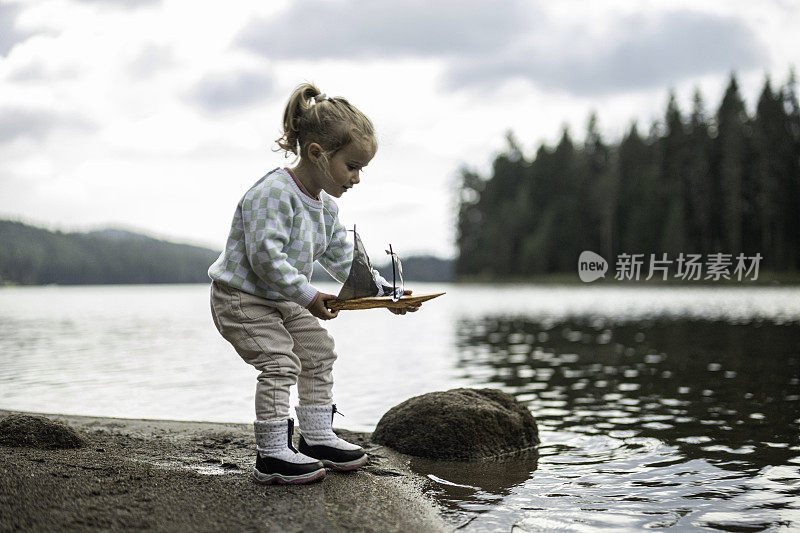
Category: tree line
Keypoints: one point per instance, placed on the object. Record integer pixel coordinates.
(36, 256)
(32, 256)
(696, 182)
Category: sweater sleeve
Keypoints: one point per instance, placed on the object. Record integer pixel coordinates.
(338, 255)
(266, 218)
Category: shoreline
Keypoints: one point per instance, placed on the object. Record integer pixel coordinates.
(175, 475)
(766, 278)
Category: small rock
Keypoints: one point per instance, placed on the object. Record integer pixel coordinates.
(38, 432)
(458, 425)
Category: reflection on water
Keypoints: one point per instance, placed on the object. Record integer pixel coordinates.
(694, 384)
(478, 484)
(682, 411)
(651, 423)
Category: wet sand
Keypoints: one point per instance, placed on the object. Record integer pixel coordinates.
(180, 476)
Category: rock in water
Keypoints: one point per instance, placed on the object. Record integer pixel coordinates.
(459, 424)
(38, 432)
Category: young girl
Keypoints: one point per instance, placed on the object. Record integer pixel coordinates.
(262, 301)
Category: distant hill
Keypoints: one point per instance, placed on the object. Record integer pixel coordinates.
(36, 256)
(113, 234)
(33, 256)
(415, 268)
(422, 268)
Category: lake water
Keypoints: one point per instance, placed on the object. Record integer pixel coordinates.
(657, 407)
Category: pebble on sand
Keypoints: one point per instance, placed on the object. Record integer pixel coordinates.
(38, 432)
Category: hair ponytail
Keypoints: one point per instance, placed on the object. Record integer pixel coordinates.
(311, 117)
(299, 103)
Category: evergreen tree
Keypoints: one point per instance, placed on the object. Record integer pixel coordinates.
(501, 200)
(469, 224)
(600, 192)
(699, 180)
(731, 145)
(538, 246)
(673, 151)
(566, 202)
(772, 145)
(790, 184)
(639, 212)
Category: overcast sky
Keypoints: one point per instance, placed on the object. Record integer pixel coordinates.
(157, 115)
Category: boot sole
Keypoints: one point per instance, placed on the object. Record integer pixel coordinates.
(279, 479)
(349, 465)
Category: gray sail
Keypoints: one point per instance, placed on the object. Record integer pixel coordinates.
(397, 290)
(361, 281)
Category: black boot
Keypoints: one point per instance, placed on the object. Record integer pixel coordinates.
(318, 440)
(277, 460)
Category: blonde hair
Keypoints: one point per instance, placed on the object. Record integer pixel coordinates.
(333, 123)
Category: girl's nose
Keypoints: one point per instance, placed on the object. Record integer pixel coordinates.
(357, 178)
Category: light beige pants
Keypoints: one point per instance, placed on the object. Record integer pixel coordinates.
(283, 341)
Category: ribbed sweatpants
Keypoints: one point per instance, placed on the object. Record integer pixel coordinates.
(283, 341)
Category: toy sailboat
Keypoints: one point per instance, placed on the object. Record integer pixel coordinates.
(361, 289)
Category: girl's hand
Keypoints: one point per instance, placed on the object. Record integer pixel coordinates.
(318, 308)
(411, 309)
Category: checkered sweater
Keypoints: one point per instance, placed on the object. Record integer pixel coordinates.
(276, 235)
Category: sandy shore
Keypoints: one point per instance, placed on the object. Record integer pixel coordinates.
(181, 476)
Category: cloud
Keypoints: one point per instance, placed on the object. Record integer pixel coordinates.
(151, 59)
(355, 29)
(32, 71)
(36, 124)
(233, 90)
(37, 71)
(10, 35)
(125, 4)
(483, 44)
(636, 52)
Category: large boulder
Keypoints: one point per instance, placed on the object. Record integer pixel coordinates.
(458, 425)
(38, 432)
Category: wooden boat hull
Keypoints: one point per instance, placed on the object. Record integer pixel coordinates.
(375, 302)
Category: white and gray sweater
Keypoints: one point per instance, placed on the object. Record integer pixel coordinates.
(276, 235)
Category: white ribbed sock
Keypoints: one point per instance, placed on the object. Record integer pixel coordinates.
(315, 426)
(272, 440)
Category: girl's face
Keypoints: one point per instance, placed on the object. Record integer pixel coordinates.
(345, 168)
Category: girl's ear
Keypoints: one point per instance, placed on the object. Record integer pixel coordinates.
(314, 151)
